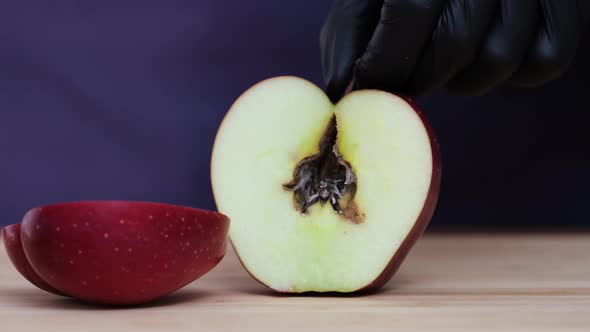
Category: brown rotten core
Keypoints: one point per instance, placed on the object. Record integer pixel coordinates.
(324, 177)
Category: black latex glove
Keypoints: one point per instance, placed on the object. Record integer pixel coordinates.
(469, 46)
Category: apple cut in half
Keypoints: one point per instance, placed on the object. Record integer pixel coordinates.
(323, 197)
(116, 252)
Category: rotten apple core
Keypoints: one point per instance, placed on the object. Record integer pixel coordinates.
(325, 177)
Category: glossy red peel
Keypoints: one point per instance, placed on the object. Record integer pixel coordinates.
(122, 253)
(14, 250)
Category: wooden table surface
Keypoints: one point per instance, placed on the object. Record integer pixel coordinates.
(448, 283)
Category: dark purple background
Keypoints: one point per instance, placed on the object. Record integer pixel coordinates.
(121, 100)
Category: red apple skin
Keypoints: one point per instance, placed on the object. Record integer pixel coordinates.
(14, 250)
(122, 253)
(427, 210)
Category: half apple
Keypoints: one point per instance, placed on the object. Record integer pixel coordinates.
(324, 197)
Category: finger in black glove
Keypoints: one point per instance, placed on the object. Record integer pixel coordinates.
(469, 46)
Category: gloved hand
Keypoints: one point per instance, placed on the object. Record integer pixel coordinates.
(469, 46)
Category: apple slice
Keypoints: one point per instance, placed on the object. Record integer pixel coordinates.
(122, 253)
(322, 197)
(14, 250)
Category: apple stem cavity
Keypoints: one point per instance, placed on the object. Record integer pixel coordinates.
(326, 177)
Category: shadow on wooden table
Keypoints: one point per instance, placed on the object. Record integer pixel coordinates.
(42, 300)
(259, 291)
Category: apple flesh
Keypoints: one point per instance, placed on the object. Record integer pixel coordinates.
(323, 197)
(122, 253)
(15, 251)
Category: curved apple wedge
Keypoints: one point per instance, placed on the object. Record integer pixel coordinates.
(14, 250)
(323, 197)
(122, 253)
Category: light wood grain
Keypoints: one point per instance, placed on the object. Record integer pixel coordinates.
(448, 283)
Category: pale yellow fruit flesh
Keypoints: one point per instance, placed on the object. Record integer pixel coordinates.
(267, 132)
